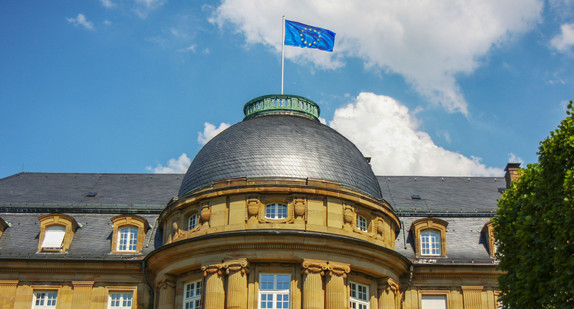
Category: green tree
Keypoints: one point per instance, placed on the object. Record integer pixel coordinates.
(535, 227)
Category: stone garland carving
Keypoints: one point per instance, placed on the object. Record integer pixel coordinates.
(236, 266)
(213, 269)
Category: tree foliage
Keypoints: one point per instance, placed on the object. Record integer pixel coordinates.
(535, 227)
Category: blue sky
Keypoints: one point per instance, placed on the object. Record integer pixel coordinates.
(425, 88)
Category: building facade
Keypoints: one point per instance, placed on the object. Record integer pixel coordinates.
(277, 211)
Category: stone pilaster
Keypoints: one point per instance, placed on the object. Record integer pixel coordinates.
(335, 288)
(237, 284)
(472, 297)
(214, 289)
(8, 293)
(82, 293)
(389, 294)
(313, 295)
(166, 292)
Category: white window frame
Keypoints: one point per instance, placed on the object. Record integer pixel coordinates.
(430, 242)
(54, 236)
(362, 223)
(125, 300)
(192, 221)
(434, 302)
(45, 299)
(274, 292)
(127, 238)
(276, 211)
(192, 295)
(359, 298)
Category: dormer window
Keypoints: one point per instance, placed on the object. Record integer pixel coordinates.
(129, 233)
(488, 231)
(276, 211)
(56, 233)
(54, 237)
(3, 226)
(128, 239)
(430, 242)
(430, 237)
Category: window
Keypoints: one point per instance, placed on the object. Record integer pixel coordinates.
(128, 239)
(128, 233)
(491, 243)
(429, 235)
(359, 296)
(192, 221)
(44, 299)
(54, 237)
(192, 295)
(362, 223)
(274, 291)
(56, 232)
(3, 226)
(430, 242)
(120, 300)
(276, 211)
(433, 302)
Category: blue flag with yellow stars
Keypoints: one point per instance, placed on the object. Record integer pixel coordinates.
(305, 36)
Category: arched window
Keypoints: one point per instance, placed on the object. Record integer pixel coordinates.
(192, 221)
(128, 239)
(362, 223)
(276, 211)
(430, 242)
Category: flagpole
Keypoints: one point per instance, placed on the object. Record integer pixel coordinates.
(282, 51)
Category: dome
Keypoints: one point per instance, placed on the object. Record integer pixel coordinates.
(281, 140)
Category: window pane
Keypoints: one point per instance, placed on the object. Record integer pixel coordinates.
(274, 291)
(128, 239)
(276, 211)
(192, 222)
(54, 236)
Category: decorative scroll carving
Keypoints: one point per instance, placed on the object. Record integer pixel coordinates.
(349, 217)
(205, 214)
(315, 267)
(338, 269)
(253, 207)
(237, 266)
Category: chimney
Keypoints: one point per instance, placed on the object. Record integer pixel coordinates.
(512, 173)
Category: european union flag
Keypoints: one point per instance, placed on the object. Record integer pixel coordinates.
(298, 34)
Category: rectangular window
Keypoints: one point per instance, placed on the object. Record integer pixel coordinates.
(433, 302)
(128, 239)
(120, 300)
(274, 291)
(44, 299)
(430, 242)
(362, 223)
(276, 211)
(359, 296)
(54, 236)
(192, 295)
(192, 221)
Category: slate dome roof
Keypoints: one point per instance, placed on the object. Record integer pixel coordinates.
(281, 137)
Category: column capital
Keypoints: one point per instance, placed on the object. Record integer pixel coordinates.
(166, 281)
(240, 265)
(389, 284)
(212, 269)
(338, 269)
(314, 266)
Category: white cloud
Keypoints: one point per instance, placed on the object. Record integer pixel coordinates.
(565, 40)
(144, 7)
(210, 131)
(429, 43)
(512, 158)
(385, 130)
(82, 21)
(191, 48)
(108, 3)
(174, 166)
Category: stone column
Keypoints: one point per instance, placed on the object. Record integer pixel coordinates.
(313, 295)
(472, 297)
(214, 290)
(237, 284)
(389, 294)
(166, 292)
(335, 288)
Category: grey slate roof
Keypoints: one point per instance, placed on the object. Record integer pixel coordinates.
(466, 203)
(442, 194)
(281, 146)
